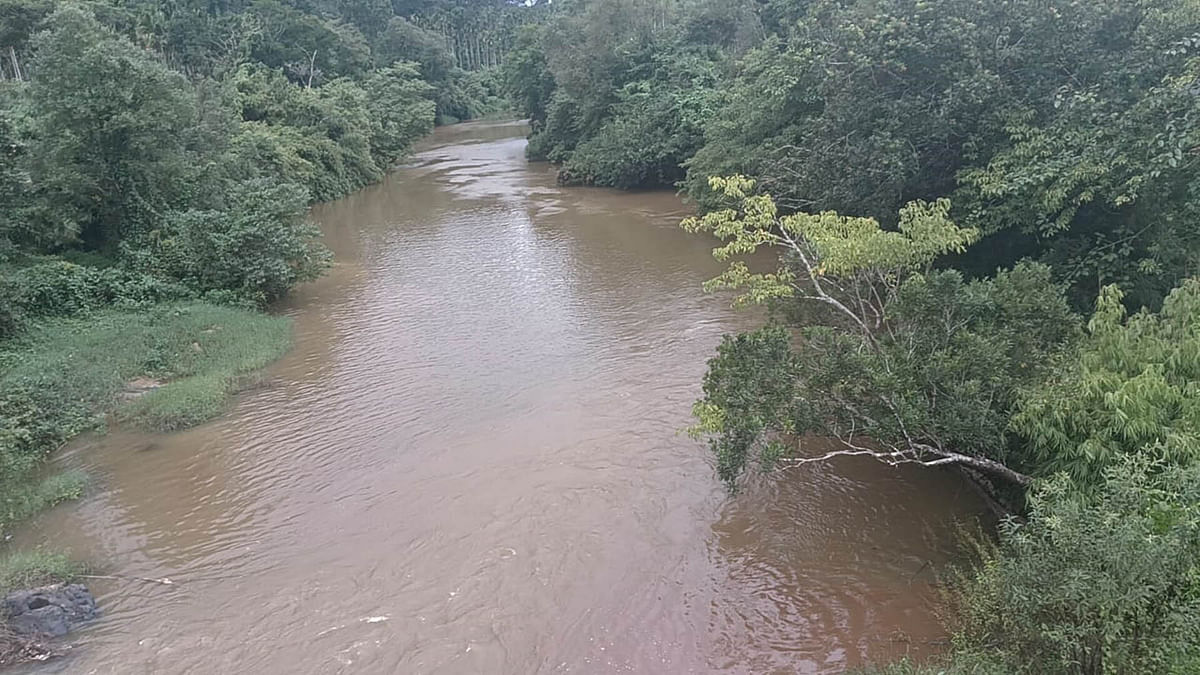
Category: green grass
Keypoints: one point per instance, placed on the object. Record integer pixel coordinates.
(22, 500)
(63, 377)
(30, 569)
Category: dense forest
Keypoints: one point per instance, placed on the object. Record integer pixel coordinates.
(985, 214)
(986, 219)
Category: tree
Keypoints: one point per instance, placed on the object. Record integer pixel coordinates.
(527, 77)
(12, 184)
(110, 126)
(1105, 188)
(318, 137)
(655, 125)
(900, 362)
(310, 48)
(258, 247)
(403, 41)
(401, 110)
(1130, 389)
(1062, 131)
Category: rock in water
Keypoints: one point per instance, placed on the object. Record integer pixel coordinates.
(49, 611)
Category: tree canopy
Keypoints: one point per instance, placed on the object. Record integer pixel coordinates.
(1063, 131)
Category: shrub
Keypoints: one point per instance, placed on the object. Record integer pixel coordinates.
(1093, 584)
(57, 288)
(258, 247)
(10, 313)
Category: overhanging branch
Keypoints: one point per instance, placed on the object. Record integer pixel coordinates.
(916, 453)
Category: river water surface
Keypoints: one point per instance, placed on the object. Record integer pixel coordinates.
(471, 463)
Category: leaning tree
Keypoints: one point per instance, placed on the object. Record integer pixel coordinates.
(870, 345)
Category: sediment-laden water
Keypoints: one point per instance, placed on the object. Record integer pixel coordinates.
(471, 463)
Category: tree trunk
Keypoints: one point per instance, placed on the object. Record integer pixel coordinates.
(12, 54)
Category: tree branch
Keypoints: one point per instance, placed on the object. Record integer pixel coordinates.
(916, 453)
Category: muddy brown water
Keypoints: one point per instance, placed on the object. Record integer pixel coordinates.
(471, 463)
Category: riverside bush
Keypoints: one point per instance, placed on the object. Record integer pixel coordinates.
(57, 288)
(1092, 584)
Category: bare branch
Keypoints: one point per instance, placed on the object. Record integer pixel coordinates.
(915, 453)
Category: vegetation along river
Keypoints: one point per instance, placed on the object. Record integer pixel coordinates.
(471, 462)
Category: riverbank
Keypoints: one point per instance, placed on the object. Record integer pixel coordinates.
(165, 367)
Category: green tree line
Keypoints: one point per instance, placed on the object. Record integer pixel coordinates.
(985, 215)
(1064, 131)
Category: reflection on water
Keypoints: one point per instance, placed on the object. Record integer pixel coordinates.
(470, 463)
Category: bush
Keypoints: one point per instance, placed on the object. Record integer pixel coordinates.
(1092, 584)
(1129, 389)
(401, 111)
(57, 288)
(10, 313)
(260, 246)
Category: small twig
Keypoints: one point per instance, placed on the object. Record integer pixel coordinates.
(126, 577)
(919, 570)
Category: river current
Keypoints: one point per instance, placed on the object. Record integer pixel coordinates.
(472, 462)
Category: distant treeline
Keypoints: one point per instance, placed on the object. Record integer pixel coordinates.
(1065, 131)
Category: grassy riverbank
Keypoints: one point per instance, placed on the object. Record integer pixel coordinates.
(63, 377)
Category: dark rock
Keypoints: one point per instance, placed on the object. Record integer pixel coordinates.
(49, 611)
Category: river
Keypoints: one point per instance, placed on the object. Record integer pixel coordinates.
(471, 463)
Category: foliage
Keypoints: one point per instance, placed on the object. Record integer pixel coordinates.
(1130, 389)
(258, 247)
(655, 126)
(1062, 131)
(110, 131)
(10, 313)
(620, 92)
(12, 182)
(1106, 182)
(59, 288)
(1092, 584)
(292, 39)
(327, 130)
(902, 362)
(400, 111)
(404, 41)
(527, 77)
